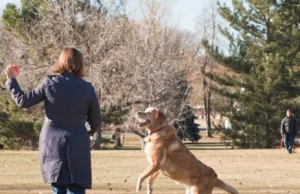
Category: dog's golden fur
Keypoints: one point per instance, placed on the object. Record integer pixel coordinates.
(169, 156)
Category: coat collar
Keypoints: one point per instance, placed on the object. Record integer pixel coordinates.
(69, 74)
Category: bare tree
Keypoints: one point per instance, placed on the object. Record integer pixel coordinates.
(135, 63)
(156, 52)
(161, 58)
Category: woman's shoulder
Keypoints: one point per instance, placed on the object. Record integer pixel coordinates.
(50, 79)
(52, 76)
(89, 84)
(54, 79)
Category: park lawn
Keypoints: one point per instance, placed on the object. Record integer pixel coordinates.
(116, 171)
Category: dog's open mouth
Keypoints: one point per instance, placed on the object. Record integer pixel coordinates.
(143, 123)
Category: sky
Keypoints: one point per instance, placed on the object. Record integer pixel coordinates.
(188, 11)
(4, 2)
(185, 12)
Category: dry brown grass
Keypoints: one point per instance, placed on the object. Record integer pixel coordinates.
(249, 171)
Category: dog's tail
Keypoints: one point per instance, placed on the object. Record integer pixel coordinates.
(220, 184)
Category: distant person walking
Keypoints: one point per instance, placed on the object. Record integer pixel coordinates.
(117, 137)
(288, 129)
(64, 143)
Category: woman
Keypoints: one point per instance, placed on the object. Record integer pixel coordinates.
(64, 141)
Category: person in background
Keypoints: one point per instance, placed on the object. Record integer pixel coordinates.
(95, 140)
(117, 137)
(288, 129)
(69, 101)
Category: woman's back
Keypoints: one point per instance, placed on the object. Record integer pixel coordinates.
(68, 97)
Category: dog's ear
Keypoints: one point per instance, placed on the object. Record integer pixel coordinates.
(158, 115)
(155, 113)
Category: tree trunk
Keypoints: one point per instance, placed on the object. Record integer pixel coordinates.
(208, 119)
(207, 100)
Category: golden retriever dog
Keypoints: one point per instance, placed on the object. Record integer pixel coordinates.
(169, 156)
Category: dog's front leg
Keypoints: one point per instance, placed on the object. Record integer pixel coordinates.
(150, 182)
(149, 171)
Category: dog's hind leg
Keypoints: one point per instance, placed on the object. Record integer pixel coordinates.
(200, 190)
(150, 182)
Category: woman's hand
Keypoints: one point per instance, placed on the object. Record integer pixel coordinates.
(11, 71)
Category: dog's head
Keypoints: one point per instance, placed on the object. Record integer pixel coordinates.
(152, 118)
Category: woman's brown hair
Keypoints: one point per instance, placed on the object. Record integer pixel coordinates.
(70, 60)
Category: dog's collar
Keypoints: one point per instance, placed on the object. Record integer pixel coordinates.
(158, 130)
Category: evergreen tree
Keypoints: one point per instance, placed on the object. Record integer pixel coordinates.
(263, 61)
(21, 20)
(11, 17)
(114, 114)
(185, 125)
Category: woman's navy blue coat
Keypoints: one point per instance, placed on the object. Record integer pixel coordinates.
(64, 141)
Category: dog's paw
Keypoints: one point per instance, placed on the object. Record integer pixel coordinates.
(138, 186)
(149, 189)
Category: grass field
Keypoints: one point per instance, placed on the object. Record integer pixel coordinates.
(116, 171)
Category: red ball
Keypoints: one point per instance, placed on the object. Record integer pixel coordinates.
(16, 69)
